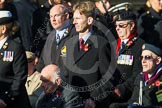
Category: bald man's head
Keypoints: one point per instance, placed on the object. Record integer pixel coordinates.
(50, 76)
(59, 16)
(50, 72)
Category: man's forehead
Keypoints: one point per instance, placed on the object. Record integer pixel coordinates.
(148, 52)
(77, 13)
(57, 8)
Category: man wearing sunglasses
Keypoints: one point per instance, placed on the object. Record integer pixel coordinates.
(128, 51)
(147, 85)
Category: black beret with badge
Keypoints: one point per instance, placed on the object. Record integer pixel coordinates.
(5, 17)
(152, 48)
(123, 11)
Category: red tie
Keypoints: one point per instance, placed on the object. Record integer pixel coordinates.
(81, 43)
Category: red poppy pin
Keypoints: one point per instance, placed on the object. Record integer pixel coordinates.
(157, 83)
(129, 43)
(86, 47)
(58, 93)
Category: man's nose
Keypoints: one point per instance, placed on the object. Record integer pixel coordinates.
(74, 21)
(53, 18)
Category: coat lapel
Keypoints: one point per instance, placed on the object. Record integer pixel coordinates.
(52, 45)
(81, 53)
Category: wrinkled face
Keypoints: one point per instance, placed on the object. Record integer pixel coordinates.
(124, 29)
(149, 61)
(58, 18)
(81, 22)
(156, 4)
(47, 83)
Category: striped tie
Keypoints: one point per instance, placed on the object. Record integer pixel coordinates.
(81, 43)
(57, 38)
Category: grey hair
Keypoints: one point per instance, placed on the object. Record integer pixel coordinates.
(56, 75)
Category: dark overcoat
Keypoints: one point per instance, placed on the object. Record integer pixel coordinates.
(128, 66)
(86, 69)
(13, 74)
(61, 98)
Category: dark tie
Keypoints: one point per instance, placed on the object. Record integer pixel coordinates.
(122, 45)
(81, 43)
(57, 38)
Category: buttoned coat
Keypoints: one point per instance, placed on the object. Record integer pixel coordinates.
(126, 74)
(86, 68)
(13, 74)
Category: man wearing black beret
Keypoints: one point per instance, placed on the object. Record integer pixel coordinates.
(147, 86)
(13, 67)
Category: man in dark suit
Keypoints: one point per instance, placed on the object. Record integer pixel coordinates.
(55, 96)
(13, 67)
(62, 30)
(87, 55)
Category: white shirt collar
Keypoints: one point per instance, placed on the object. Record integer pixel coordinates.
(3, 41)
(61, 33)
(125, 41)
(85, 37)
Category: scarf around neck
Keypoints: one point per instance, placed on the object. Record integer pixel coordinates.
(119, 41)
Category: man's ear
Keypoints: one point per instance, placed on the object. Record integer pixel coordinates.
(158, 61)
(90, 20)
(3, 28)
(67, 15)
(58, 81)
(132, 25)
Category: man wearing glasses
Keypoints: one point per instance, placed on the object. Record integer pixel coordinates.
(128, 51)
(147, 85)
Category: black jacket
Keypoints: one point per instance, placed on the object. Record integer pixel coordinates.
(61, 98)
(87, 69)
(13, 74)
(126, 74)
(146, 26)
(149, 92)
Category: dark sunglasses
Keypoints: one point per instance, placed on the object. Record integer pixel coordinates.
(146, 57)
(122, 25)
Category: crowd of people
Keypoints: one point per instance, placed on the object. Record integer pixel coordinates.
(80, 54)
